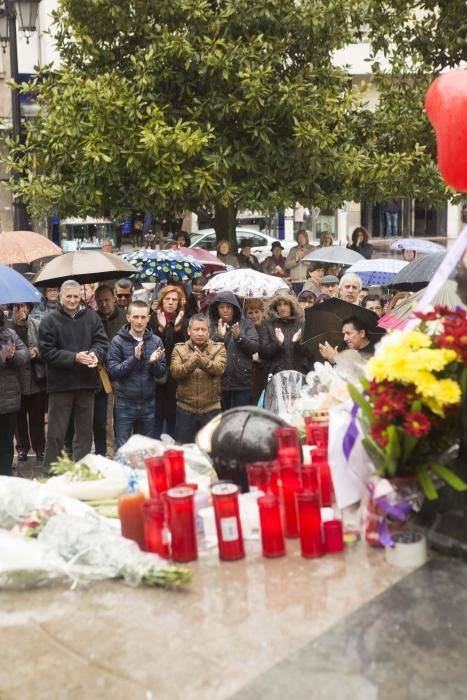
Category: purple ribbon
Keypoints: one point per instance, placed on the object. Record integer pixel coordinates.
(397, 511)
(351, 434)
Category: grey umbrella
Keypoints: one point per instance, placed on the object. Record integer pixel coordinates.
(334, 254)
(83, 266)
(418, 273)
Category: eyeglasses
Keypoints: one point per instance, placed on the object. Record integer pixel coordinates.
(123, 296)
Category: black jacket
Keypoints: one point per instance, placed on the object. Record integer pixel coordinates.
(61, 337)
(10, 387)
(239, 371)
(289, 355)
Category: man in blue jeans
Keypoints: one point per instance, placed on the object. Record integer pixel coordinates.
(136, 356)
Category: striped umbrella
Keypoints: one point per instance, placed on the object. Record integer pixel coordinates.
(378, 271)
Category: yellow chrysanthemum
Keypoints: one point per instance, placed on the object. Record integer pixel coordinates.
(432, 360)
(448, 392)
(425, 383)
(434, 406)
(415, 340)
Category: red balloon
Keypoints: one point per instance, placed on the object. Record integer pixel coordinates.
(446, 107)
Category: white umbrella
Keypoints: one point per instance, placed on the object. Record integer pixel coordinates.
(246, 283)
(419, 245)
(333, 254)
(377, 271)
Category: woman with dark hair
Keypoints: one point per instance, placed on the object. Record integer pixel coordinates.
(13, 356)
(360, 242)
(168, 322)
(254, 310)
(280, 336)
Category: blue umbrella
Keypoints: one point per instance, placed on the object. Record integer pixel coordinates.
(15, 289)
(163, 266)
(377, 271)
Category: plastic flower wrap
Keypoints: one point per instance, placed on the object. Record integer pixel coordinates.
(411, 402)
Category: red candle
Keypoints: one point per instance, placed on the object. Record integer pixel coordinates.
(272, 536)
(288, 487)
(274, 479)
(309, 477)
(228, 525)
(289, 456)
(287, 436)
(182, 524)
(309, 520)
(157, 475)
(131, 517)
(155, 527)
(317, 431)
(333, 536)
(258, 475)
(175, 461)
(320, 460)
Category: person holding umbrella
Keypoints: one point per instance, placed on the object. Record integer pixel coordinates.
(14, 355)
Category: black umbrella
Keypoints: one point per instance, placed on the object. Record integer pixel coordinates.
(418, 273)
(323, 322)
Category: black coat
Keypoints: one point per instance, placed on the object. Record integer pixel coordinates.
(166, 402)
(10, 387)
(238, 374)
(61, 337)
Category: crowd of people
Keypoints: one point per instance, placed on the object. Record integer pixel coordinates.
(91, 366)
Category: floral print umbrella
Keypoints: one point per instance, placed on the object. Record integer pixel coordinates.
(163, 266)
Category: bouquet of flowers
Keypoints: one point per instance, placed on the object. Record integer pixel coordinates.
(413, 397)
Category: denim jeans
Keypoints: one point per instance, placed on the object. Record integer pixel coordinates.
(134, 417)
(391, 224)
(188, 424)
(232, 399)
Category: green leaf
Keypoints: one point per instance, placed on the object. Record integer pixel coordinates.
(377, 454)
(448, 476)
(359, 399)
(426, 483)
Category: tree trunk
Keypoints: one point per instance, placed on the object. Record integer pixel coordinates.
(224, 224)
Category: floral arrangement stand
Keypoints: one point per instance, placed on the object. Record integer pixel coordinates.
(413, 411)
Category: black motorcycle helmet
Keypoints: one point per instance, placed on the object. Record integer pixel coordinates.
(244, 434)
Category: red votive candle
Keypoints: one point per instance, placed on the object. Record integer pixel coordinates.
(131, 517)
(288, 487)
(182, 524)
(157, 475)
(175, 461)
(317, 431)
(155, 527)
(309, 522)
(287, 436)
(309, 477)
(272, 535)
(274, 479)
(289, 456)
(320, 460)
(258, 475)
(333, 536)
(228, 525)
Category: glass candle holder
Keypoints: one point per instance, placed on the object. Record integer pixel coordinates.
(258, 475)
(131, 517)
(287, 436)
(157, 475)
(320, 460)
(289, 457)
(309, 522)
(274, 479)
(175, 461)
(333, 536)
(309, 477)
(317, 431)
(155, 527)
(228, 525)
(182, 524)
(272, 535)
(288, 487)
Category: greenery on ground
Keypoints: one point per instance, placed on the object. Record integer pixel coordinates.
(230, 104)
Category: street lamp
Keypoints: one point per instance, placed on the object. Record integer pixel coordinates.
(27, 11)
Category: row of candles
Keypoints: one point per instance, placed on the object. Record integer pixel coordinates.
(290, 507)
